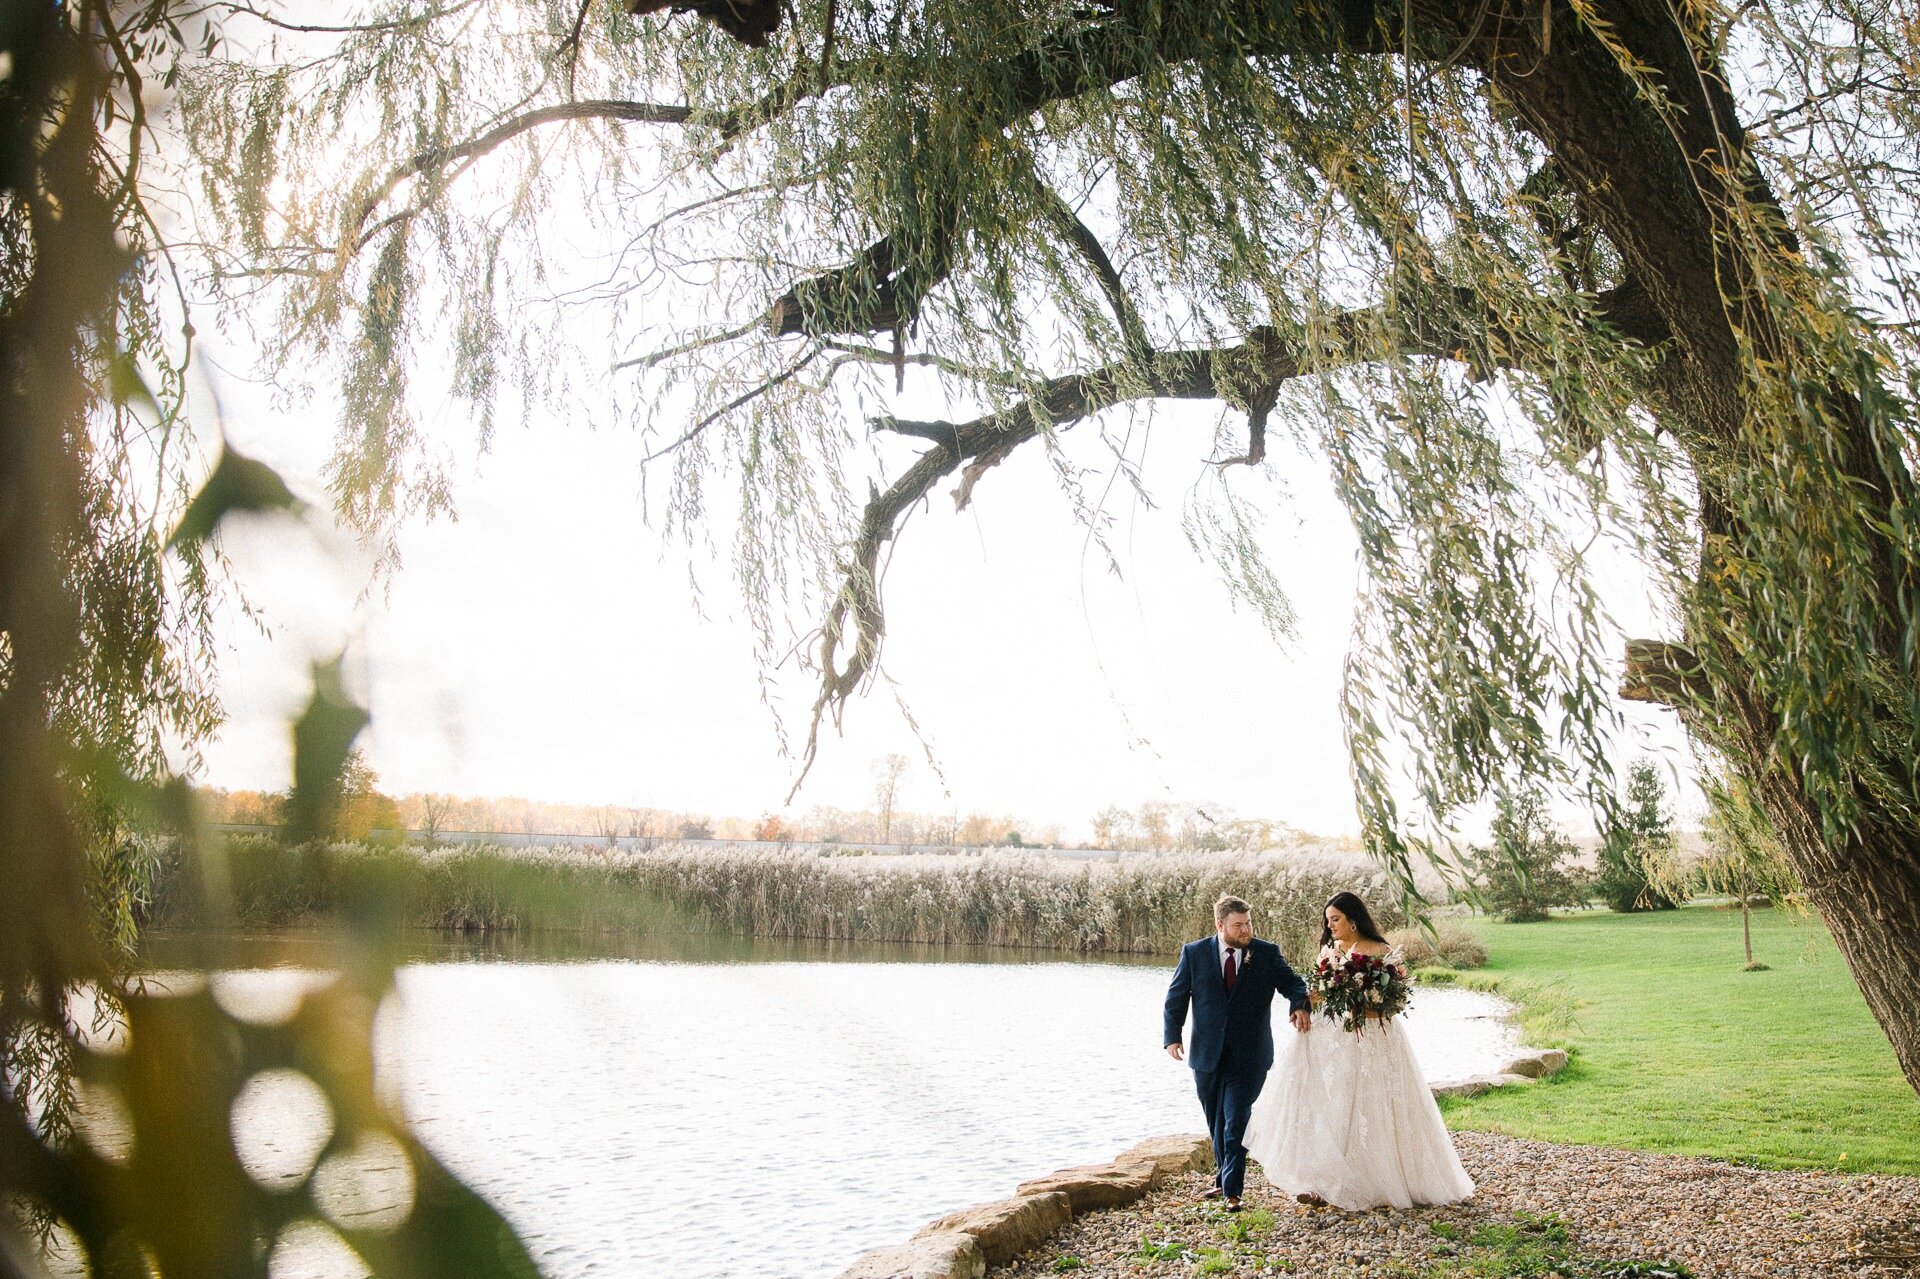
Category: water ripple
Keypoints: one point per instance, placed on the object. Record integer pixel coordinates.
(711, 1121)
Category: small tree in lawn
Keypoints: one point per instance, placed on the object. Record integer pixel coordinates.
(1635, 855)
(1744, 858)
(1524, 872)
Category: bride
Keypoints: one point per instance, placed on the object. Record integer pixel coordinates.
(1346, 1117)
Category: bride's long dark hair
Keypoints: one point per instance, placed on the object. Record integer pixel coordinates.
(1357, 914)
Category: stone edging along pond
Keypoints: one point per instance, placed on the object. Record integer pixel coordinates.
(961, 1245)
(1531, 1066)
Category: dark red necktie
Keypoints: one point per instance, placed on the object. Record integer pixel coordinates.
(1230, 971)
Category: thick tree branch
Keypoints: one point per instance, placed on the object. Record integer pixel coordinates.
(750, 22)
(1133, 332)
(1663, 673)
(877, 292)
(1629, 311)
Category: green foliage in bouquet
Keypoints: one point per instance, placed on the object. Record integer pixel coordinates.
(1354, 988)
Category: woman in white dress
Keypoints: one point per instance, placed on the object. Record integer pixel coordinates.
(1346, 1117)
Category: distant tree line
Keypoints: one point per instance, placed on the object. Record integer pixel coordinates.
(1162, 826)
(363, 811)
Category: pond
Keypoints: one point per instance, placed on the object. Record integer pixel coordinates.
(705, 1109)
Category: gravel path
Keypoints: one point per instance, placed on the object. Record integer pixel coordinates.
(1541, 1210)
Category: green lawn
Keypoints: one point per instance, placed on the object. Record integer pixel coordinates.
(1676, 1049)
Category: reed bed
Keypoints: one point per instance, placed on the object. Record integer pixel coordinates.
(1145, 904)
(270, 884)
(1142, 904)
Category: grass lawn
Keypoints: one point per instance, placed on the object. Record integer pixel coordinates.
(1674, 1048)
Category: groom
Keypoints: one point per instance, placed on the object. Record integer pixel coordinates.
(1230, 979)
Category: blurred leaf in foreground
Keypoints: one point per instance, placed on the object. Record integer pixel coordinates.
(322, 739)
(238, 483)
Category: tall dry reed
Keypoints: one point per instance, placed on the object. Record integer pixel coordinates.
(1146, 904)
(1142, 904)
(466, 889)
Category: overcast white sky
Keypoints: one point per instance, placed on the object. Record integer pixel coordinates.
(547, 644)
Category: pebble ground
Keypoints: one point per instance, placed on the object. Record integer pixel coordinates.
(1616, 1206)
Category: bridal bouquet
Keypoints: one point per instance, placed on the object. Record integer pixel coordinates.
(1350, 985)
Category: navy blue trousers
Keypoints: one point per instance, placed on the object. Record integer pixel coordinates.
(1227, 1095)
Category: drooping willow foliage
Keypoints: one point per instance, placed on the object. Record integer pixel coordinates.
(1357, 242)
(105, 659)
(139, 678)
(1527, 279)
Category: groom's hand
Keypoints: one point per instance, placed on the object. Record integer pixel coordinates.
(1302, 1020)
(1176, 1052)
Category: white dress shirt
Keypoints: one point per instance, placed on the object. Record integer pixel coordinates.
(1239, 954)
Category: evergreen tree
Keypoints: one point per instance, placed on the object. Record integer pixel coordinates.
(1641, 839)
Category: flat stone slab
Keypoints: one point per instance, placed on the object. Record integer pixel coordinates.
(1529, 1068)
(1008, 1227)
(1096, 1185)
(1536, 1063)
(945, 1255)
(1171, 1156)
(1464, 1087)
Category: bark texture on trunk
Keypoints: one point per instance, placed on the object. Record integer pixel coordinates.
(1867, 888)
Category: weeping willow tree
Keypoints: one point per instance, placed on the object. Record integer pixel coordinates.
(120, 1143)
(1526, 278)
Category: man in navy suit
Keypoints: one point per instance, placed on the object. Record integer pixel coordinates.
(1231, 979)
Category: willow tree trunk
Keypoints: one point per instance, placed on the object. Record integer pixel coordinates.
(1868, 890)
(1664, 186)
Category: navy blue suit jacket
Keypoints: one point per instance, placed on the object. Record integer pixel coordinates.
(1242, 1021)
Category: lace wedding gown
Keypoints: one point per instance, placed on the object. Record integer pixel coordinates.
(1347, 1115)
